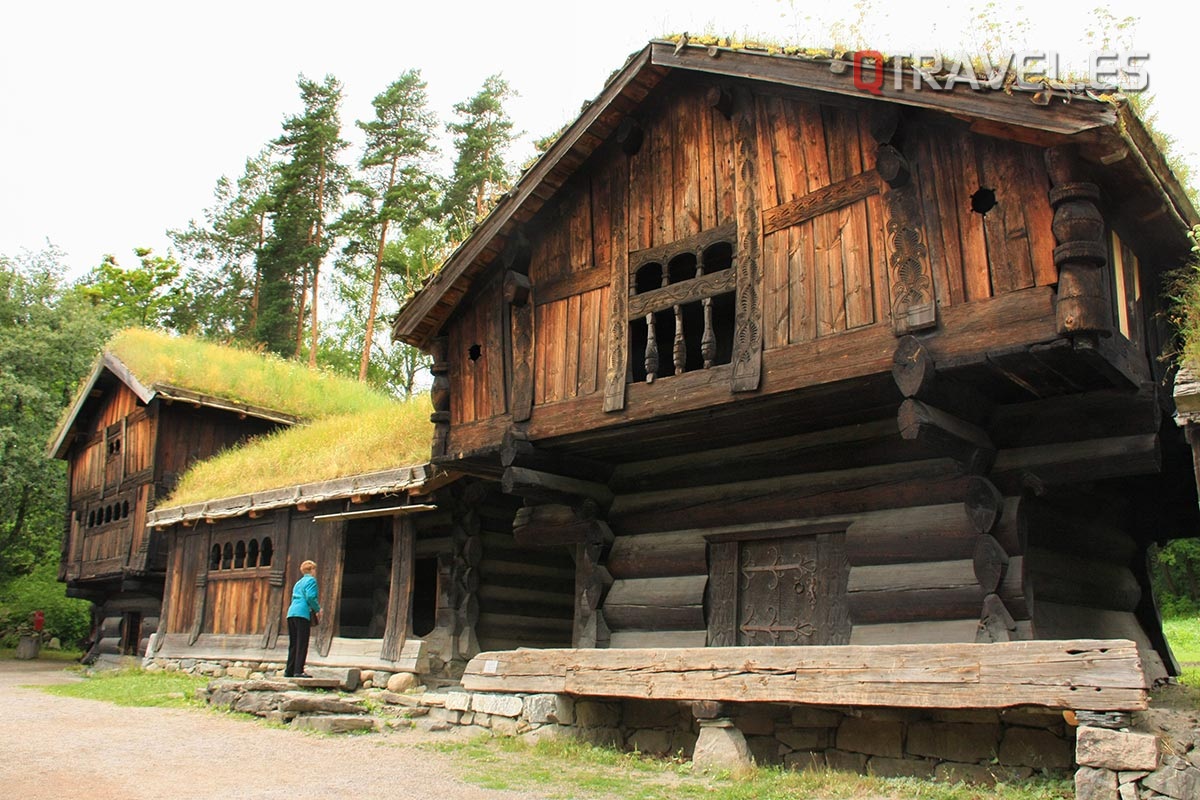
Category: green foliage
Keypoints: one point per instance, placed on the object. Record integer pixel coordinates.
(482, 138)
(1176, 576)
(306, 193)
(1183, 632)
(134, 687)
(144, 295)
(67, 618)
(222, 281)
(49, 336)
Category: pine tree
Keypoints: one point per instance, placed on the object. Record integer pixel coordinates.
(482, 139)
(306, 194)
(395, 188)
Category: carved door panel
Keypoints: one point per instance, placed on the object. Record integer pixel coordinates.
(780, 590)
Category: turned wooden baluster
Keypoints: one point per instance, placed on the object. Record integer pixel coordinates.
(651, 349)
(680, 349)
(708, 341)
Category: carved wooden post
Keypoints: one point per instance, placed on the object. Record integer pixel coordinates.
(1081, 253)
(592, 581)
(748, 339)
(399, 618)
(439, 395)
(651, 349)
(199, 606)
(913, 307)
(618, 318)
(468, 551)
(517, 293)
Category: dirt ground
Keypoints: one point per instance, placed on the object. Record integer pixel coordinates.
(56, 747)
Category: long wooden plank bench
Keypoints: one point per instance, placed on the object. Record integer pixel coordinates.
(1080, 674)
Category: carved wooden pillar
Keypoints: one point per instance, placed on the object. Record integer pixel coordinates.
(517, 294)
(748, 339)
(592, 581)
(1082, 305)
(468, 552)
(618, 318)
(909, 273)
(439, 395)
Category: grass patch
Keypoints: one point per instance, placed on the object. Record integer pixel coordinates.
(65, 656)
(135, 687)
(394, 435)
(1184, 635)
(569, 769)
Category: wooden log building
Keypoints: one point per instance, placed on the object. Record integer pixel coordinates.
(126, 440)
(778, 361)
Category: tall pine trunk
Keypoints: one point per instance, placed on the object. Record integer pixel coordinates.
(369, 338)
(316, 269)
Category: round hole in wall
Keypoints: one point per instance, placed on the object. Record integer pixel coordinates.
(983, 201)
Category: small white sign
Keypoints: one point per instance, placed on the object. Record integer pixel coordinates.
(490, 666)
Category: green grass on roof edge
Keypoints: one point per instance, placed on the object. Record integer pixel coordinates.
(241, 375)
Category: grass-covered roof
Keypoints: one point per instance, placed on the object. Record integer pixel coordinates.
(395, 434)
(158, 359)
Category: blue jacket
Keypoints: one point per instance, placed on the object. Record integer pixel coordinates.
(304, 598)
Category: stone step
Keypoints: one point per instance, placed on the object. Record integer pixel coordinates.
(334, 723)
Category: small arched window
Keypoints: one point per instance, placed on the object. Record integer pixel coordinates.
(239, 555)
(227, 556)
(252, 554)
(214, 561)
(268, 550)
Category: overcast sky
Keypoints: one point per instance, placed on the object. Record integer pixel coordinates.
(117, 118)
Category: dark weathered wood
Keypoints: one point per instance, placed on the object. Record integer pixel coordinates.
(1082, 525)
(1090, 460)
(552, 526)
(517, 451)
(822, 201)
(1077, 580)
(943, 432)
(747, 338)
(996, 624)
(400, 589)
(990, 562)
(911, 592)
(983, 504)
(916, 376)
(534, 484)
(517, 291)
(721, 599)
(1017, 590)
(1102, 675)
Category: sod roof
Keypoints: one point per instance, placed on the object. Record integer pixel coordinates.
(393, 437)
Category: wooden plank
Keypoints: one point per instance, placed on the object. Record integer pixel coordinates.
(572, 334)
(828, 277)
(707, 154)
(960, 160)
(802, 325)
(675, 294)
(748, 339)
(589, 332)
(400, 589)
(846, 161)
(777, 181)
(580, 227)
(926, 632)
(601, 207)
(580, 282)
(1035, 186)
(493, 349)
(657, 639)
(686, 169)
(724, 167)
(1102, 675)
(1001, 169)
(660, 141)
(842, 192)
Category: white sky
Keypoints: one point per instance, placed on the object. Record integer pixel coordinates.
(117, 118)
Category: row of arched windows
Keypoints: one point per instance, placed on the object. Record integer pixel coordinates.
(109, 513)
(241, 554)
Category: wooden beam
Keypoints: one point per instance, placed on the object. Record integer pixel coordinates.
(534, 484)
(822, 201)
(552, 525)
(943, 432)
(1101, 675)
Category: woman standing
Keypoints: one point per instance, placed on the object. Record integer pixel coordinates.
(302, 614)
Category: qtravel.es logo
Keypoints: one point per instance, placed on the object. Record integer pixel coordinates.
(1027, 70)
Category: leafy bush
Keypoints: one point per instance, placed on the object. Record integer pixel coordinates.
(1176, 578)
(67, 618)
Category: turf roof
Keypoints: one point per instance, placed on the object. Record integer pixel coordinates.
(393, 435)
(160, 360)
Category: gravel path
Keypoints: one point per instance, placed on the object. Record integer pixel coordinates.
(56, 747)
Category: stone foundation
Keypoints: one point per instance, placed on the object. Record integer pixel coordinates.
(271, 670)
(1109, 761)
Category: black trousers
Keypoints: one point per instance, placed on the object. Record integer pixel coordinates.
(299, 629)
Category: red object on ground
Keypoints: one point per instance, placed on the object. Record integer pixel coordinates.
(39, 620)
